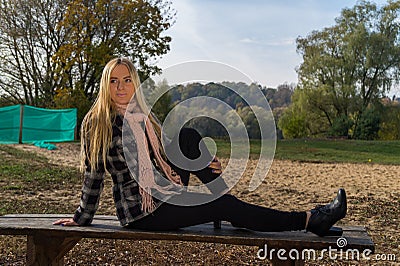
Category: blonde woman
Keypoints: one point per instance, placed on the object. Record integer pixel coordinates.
(141, 193)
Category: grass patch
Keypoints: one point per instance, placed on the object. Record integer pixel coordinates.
(10, 152)
(12, 187)
(353, 151)
(309, 150)
(20, 170)
(223, 147)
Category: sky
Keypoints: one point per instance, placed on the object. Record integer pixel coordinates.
(257, 37)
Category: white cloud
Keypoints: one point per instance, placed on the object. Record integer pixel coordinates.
(248, 40)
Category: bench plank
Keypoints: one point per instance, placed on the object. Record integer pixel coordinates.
(108, 227)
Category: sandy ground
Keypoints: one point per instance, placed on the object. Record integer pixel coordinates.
(373, 197)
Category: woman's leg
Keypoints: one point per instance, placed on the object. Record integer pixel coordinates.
(226, 208)
(190, 144)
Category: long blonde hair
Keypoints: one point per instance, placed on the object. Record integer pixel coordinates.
(96, 130)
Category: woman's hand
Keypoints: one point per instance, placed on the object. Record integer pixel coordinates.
(215, 165)
(66, 222)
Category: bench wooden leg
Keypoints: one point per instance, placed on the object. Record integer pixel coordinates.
(48, 250)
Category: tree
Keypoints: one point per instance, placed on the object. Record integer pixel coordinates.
(279, 97)
(369, 125)
(50, 45)
(100, 29)
(28, 40)
(340, 126)
(390, 124)
(349, 66)
(302, 119)
(293, 124)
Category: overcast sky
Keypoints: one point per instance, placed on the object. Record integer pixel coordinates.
(255, 36)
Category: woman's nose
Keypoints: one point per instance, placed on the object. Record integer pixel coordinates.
(120, 85)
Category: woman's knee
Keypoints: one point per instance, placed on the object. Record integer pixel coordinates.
(186, 142)
(190, 134)
(189, 140)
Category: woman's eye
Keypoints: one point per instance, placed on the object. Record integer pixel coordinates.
(128, 80)
(113, 81)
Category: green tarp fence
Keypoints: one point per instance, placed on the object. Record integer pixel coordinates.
(28, 124)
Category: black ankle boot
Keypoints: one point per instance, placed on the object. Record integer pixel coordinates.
(324, 217)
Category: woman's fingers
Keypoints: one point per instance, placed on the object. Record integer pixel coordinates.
(66, 222)
(71, 223)
(58, 222)
(216, 166)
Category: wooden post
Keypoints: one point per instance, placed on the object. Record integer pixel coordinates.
(76, 126)
(21, 119)
(48, 250)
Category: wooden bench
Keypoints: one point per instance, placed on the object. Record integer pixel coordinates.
(47, 244)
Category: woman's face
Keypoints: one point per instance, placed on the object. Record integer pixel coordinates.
(121, 85)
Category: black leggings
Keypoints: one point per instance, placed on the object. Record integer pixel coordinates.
(226, 208)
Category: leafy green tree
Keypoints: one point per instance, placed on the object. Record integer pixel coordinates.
(101, 29)
(368, 125)
(293, 124)
(340, 126)
(349, 66)
(302, 119)
(390, 123)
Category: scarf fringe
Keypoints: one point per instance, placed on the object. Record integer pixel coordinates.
(148, 204)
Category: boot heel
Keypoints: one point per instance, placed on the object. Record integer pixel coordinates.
(335, 231)
(217, 224)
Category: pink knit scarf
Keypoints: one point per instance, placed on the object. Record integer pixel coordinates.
(146, 174)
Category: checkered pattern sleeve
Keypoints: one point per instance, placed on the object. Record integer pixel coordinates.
(92, 187)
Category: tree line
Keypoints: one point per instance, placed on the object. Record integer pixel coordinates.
(232, 94)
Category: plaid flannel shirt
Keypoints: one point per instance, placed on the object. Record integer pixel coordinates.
(125, 188)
